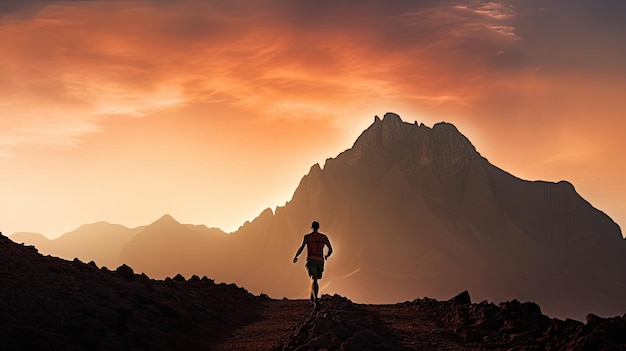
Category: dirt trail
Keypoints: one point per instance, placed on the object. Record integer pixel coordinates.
(292, 325)
(414, 330)
(277, 322)
(279, 319)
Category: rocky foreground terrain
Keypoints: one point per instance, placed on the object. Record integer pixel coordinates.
(47, 303)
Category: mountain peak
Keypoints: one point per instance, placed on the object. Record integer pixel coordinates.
(165, 220)
(391, 141)
(391, 117)
(315, 168)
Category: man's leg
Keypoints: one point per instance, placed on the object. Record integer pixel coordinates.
(311, 270)
(315, 287)
(315, 291)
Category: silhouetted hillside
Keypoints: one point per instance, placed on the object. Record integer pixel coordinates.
(47, 303)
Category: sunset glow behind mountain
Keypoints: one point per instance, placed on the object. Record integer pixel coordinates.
(122, 111)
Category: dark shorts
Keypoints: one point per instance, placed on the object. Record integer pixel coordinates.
(315, 268)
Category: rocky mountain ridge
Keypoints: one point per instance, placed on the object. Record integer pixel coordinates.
(414, 210)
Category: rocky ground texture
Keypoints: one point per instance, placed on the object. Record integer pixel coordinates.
(48, 303)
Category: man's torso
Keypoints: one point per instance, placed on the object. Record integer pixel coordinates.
(315, 245)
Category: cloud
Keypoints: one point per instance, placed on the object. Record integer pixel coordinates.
(45, 130)
(493, 10)
(93, 59)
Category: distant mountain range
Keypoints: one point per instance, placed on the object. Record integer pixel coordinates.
(411, 211)
(100, 242)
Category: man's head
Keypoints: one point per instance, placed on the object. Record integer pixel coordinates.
(315, 225)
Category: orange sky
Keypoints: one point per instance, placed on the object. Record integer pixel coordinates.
(211, 111)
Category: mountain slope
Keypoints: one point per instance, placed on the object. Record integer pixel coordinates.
(417, 210)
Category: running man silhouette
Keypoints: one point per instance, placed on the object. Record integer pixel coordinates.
(314, 243)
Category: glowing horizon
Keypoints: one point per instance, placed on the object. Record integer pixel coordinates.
(212, 112)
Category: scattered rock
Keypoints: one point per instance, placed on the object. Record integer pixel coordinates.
(462, 298)
(179, 278)
(125, 272)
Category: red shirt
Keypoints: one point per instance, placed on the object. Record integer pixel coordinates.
(315, 245)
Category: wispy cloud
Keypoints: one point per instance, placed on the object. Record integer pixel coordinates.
(491, 9)
(47, 130)
(93, 59)
(99, 59)
(496, 16)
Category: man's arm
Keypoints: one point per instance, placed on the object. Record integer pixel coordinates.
(295, 258)
(330, 248)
